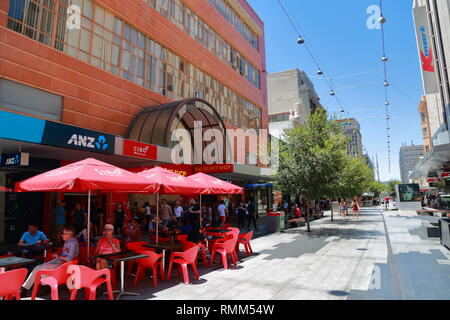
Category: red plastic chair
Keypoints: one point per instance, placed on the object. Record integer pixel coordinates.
(153, 262)
(188, 257)
(59, 276)
(11, 282)
(135, 246)
(89, 279)
(224, 249)
(202, 248)
(83, 253)
(51, 252)
(182, 237)
(245, 240)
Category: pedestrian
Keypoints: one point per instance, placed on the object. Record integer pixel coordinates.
(343, 208)
(60, 219)
(223, 212)
(166, 213)
(386, 202)
(80, 217)
(242, 215)
(355, 208)
(178, 211)
(119, 215)
(251, 215)
(148, 216)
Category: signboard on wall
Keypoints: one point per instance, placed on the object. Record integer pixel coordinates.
(15, 159)
(213, 168)
(62, 135)
(426, 52)
(140, 150)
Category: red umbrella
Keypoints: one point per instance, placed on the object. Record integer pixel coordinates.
(4, 189)
(214, 185)
(85, 176)
(168, 182)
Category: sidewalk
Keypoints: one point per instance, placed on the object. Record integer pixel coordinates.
(379, 256)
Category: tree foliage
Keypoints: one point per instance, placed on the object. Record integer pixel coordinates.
(377, 187)
(311, 157)
(314, 163)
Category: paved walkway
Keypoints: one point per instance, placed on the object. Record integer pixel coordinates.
(382, 255)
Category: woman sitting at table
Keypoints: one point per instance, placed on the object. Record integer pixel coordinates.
(106, 245)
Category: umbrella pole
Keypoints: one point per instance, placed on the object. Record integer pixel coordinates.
(157, 216)
(200, 216)
(88, 225)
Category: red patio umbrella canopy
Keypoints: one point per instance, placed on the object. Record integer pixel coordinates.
(82, 176)
(167, 182)
(4, 189)
(214, 185)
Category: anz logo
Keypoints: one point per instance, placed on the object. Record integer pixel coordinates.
(12, 161)
(88, 142)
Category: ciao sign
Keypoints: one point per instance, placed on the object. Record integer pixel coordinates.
(139, 149)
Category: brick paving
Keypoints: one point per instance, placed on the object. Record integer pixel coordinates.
(382, 255)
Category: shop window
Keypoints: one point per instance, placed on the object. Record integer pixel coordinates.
(21, 98)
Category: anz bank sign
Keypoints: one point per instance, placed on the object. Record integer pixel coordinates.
(61, 135)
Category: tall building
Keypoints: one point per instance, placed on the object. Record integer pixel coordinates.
(409, 157)
(432, 24)
(291, 99)
(352, 130)
(113, 79)
(425, 124)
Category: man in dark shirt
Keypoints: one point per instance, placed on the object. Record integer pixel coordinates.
(251, 214)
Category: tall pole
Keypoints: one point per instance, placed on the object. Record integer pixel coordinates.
(157, 216)
(200, 216)
(88, 225)
(378, 169)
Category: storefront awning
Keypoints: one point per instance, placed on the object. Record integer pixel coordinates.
(434, 160)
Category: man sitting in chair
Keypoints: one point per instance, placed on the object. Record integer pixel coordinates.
(69, 253)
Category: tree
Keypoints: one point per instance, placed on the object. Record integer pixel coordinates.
(391, 186)
(311, 158)
(377, 187)
(355, 178)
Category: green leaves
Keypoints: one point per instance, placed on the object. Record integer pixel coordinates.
(313, 161)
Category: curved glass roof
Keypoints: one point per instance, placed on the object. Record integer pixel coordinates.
(154, 125)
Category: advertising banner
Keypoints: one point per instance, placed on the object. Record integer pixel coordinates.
(426, 51)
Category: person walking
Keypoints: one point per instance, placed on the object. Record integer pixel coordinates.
(119, 215)
(251, 215)
(355, 208)
(241, 213)
(148, 216)
(166, 212)
(223, 212)
(343, 207)
(80, 218)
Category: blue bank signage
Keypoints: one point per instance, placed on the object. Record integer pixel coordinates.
(14, 159)
(259, 185)
(62, 135)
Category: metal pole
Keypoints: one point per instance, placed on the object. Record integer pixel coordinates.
(200, 217)
(157, 216)
(88, 227)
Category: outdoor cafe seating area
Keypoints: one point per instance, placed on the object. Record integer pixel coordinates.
(147, 263)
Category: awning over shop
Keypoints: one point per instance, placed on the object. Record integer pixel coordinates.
(435, 159)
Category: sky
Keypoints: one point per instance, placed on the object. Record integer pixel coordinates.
(349, 52)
